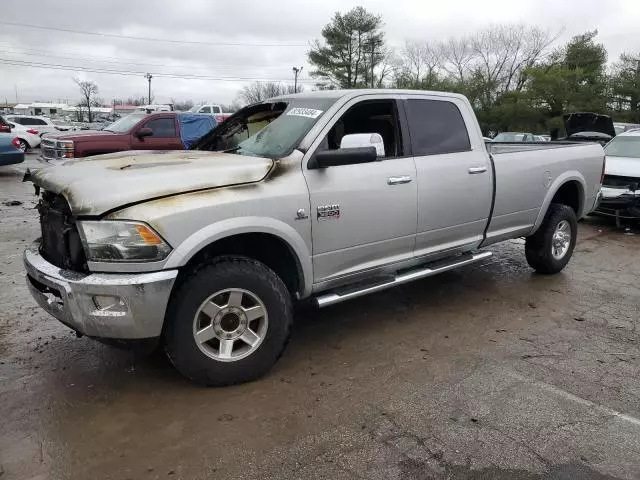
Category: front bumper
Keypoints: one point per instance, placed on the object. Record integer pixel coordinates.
(123, 306)
(619, 202)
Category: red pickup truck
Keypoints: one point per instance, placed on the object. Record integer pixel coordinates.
(138, 131)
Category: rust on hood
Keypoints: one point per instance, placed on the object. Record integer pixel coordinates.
(100, 184)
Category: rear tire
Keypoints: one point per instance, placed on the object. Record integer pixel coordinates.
(228, 322)
(24, 146)
(549, 249)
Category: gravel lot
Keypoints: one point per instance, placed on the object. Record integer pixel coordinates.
(487, 372)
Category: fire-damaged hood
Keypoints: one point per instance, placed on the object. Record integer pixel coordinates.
(96, 185)
(588, 122)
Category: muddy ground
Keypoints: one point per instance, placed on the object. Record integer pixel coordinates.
(487, 372)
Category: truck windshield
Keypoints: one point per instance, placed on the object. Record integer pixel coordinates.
(624, 147)
(277, 137)
(125, 123)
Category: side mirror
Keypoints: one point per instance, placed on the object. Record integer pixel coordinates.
(359, 140)
(144, 132)
(343, 156)
(354, 149)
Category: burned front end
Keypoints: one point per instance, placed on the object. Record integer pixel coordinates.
(103, 305)
(620, 197)
(61, 244)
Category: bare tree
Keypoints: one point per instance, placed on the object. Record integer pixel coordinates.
(457, 57)
(418, 59)
(259, 91)
(502, 52)
(89, 90)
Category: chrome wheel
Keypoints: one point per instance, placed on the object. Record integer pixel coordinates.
(23, 145)
(561, 240)
(230, 324)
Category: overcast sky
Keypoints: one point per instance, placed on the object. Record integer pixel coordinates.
(278, 32)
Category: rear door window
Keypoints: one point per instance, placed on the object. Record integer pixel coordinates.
(162, 127)
(436, 127)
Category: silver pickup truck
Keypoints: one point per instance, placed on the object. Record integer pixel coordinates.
(325, 195)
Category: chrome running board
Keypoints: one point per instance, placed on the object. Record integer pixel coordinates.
(423, 271)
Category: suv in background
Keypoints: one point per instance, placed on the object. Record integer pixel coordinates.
(42, 124)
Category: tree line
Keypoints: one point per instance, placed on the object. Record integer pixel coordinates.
(516, 77)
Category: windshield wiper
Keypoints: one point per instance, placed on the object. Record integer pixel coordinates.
(231, 150)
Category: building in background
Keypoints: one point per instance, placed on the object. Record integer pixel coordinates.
(7, 107)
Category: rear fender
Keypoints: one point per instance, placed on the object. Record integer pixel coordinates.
(572, 175)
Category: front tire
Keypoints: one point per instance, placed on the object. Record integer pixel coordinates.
(549, 249)
(228, 322)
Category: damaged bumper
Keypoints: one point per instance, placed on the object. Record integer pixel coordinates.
(619, 202)
(102, 305)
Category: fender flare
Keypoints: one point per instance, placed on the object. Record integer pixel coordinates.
(571, 175)
(239, 225)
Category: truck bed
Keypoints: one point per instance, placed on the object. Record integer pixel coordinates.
(511, 147)
(526, 172)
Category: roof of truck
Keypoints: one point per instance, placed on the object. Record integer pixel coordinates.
(364, 91)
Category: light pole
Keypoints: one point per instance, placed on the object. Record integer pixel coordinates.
(148, 76)
(296, 72)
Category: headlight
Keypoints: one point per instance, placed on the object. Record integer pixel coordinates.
(118, 241)
(65, 148)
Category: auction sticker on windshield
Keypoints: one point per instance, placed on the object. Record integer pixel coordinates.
(305, 112)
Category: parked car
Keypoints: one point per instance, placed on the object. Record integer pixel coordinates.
(621, 184)
(155, 108)
(511, 137)
(4, 126)
(10, 152)
(138, 131)
(28, 137)
(588, 127)
(327, 195)
(625, 127)
(215, 110)
(42, 124)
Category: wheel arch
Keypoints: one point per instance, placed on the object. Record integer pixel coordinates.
(270, 241)
(568, 189)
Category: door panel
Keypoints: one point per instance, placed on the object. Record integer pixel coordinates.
(165, 135)
(362, 216)
(453, 205)
(376, 222)
(455, 184)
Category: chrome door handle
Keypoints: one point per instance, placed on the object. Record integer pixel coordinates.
(476, 170)
(399, 180)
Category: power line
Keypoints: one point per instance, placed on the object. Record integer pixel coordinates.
(149, 39)
(51, 54)
(187, 76)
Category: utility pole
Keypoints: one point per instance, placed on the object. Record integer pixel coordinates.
(373, 49)
(148, 76)
(296, 72)
(15, 85)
